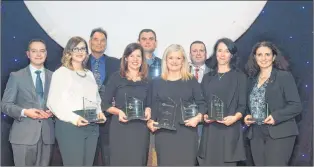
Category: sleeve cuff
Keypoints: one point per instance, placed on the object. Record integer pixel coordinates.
(22, 113)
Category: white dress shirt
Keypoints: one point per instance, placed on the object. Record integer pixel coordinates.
(66, 93)
(34, 77)
(201, 72)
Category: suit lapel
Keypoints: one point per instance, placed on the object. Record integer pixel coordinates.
(29, 81)
(47, 84)
(232, 89)
(270, 83)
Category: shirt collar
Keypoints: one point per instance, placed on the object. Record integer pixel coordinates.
(202, 67)
(101, 59)
(151, 61)
(33, 69)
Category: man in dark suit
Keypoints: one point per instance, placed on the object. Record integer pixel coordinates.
(24, 99)
(102, 67)
(198, 56)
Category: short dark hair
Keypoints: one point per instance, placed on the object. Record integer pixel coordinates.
(100, 30)
(147, 30)
(252, 69)
(198, 42)
(36, 40)
(234, 62)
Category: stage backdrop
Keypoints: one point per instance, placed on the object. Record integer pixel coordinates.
(288, 24)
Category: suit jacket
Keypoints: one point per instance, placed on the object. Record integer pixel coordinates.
(20, 94)
(112, 65)
(283, 102)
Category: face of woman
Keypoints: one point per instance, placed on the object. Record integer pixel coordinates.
(134, 60)
(264, 57)
(79, 53)
(175, 61)
(223, 54)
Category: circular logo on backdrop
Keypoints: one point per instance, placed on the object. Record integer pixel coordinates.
(174, 22)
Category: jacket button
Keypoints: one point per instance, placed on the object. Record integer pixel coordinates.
(39, 121)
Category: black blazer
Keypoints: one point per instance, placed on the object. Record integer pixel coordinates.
(283, 101)
(112, 65)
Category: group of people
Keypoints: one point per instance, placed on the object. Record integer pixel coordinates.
(45, 104)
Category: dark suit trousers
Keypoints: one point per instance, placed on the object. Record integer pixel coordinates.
(77, 144)
(32, 155)
(103, 145)
(267, 151)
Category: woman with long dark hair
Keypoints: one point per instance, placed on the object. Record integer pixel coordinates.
(273, 103)
(222, 140)
(129, 139)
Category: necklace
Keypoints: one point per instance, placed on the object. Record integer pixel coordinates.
(81, 75)
(219, 77)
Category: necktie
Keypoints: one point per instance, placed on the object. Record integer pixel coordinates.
(196, 72)
(97, 74)
(39, 87)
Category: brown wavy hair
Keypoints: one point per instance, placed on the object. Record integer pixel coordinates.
(127, 52)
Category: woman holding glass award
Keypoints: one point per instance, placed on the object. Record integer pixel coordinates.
(177, 108)
(225, 92)
(74, 99)
(274, 103)
(129, 136)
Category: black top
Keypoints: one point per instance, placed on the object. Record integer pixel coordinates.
(118, 87)
(187, 91)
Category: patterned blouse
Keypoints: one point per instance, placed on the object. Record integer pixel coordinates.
(258, 102)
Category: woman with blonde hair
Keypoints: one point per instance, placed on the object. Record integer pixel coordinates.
(176, 137)
(70, 84)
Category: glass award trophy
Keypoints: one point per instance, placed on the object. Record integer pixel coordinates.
(89, 111)
(216, 109)
(259, 117)
(155, 69)
(188, 110)
(134, 108)
(166, 115)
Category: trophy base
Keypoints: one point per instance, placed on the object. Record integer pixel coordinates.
(216, 118)
(164, 127)
(258, 121)
(136, 118)
(95, 120)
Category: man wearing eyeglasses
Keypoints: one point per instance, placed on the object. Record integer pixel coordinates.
(102, 67)
(24, 99)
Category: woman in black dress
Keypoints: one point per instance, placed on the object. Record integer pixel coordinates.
(222, 142)
(271, 86)
(129, 139)
(176, 84)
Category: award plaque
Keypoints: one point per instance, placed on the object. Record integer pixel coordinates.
(259, 117)
(134, 108)
(166, 115)
(188, 110)
(155, 69)
(89, 111)
(216, 109)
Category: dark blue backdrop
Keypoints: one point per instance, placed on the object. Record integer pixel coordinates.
(288, 24)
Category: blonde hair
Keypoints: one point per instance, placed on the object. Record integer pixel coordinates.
(66, 59)
(185, 72)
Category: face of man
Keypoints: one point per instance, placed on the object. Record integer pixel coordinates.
(148, 42)
(37, 54)
(198, 54)
(98, 43)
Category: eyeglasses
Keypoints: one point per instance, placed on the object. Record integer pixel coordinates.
(83, 49)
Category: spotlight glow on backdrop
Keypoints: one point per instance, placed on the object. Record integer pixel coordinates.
(173, 21)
